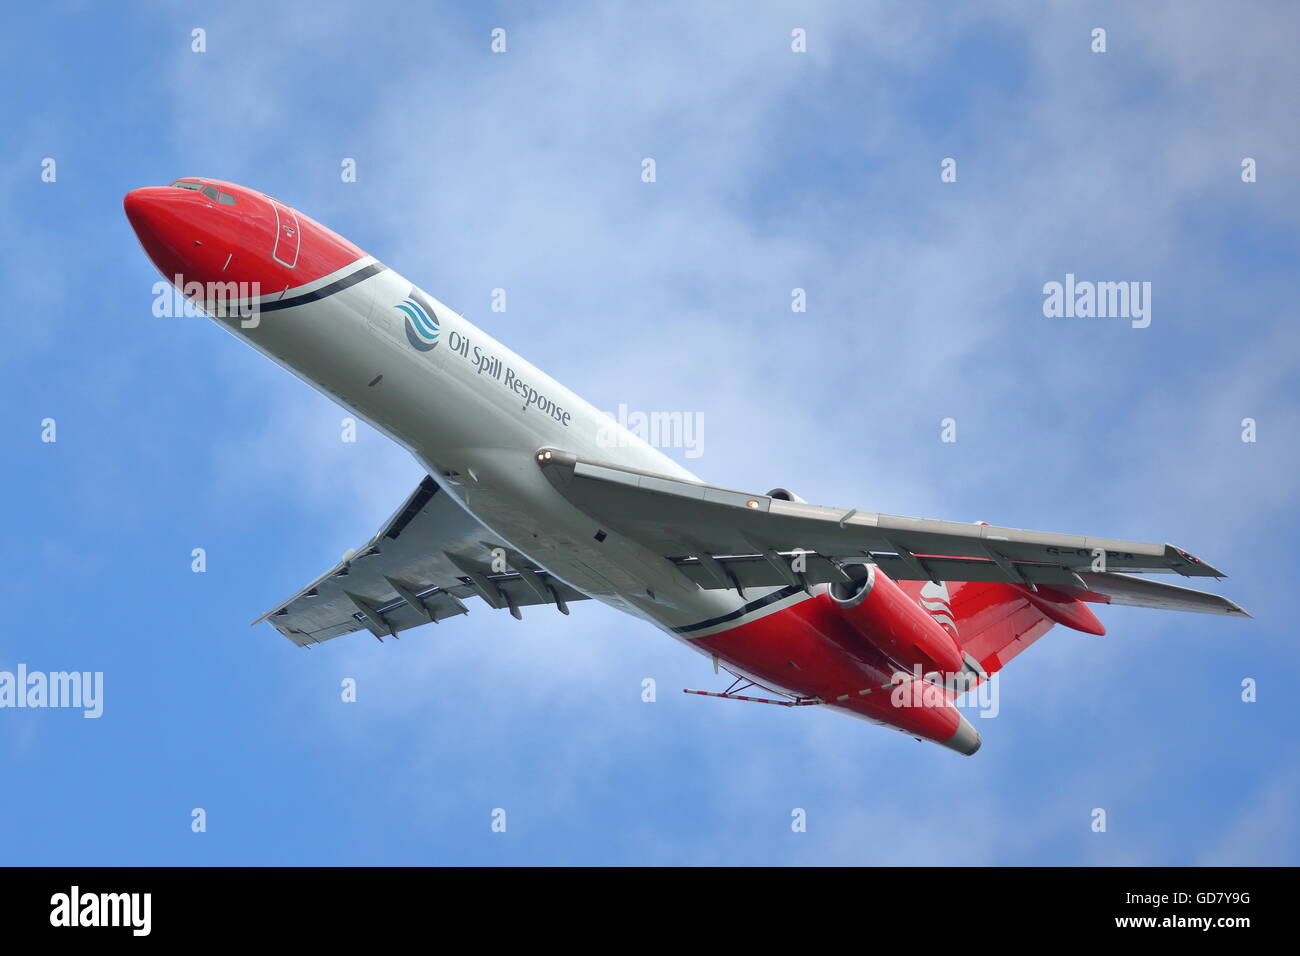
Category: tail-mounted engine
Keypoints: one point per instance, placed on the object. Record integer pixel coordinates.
(881, 613)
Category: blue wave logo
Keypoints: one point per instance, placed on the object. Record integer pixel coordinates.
(421, 322)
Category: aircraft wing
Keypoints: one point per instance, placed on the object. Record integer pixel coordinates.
(721, 538)
(420, 567)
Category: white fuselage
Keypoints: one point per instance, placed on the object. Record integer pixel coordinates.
(474, 414)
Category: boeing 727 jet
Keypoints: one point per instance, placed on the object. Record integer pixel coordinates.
(528, 503)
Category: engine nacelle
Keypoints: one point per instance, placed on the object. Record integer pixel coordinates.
(785, 494)
(882, 613)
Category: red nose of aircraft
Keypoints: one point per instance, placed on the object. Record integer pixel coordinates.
(208, 231)
(166, 221)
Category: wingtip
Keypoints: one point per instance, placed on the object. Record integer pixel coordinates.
(1233, 609)
(1200, 568)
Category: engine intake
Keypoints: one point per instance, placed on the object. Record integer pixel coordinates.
(785, 494)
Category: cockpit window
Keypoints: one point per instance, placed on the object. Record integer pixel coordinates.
(211, 192)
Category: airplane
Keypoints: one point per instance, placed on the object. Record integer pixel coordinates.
(527, 502)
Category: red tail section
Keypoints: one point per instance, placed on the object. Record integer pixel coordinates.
(993, 622)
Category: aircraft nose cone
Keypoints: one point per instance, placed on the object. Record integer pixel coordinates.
(163, 222)
(141, 207)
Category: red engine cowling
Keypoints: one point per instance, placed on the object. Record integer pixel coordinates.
(880, 612)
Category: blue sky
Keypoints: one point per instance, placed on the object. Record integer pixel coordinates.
(775, 170)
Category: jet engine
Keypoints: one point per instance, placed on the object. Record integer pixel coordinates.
(881, 613)
(785, 494)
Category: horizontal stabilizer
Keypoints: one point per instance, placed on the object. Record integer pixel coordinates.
(1111, 588)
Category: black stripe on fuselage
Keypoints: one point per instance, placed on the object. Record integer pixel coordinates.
(772, 598)
(325, 291)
